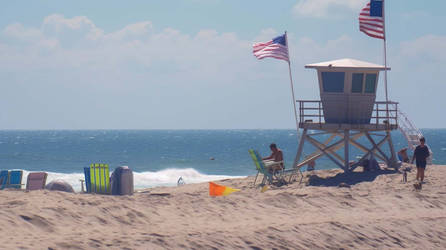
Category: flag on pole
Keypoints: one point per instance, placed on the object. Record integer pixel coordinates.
(276, 48)
(371, 19)
(218, 190)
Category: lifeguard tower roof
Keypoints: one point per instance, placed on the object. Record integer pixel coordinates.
(347, 63)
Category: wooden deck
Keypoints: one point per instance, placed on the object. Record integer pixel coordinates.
(384, 117)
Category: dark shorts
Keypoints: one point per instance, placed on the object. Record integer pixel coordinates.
(421, 165)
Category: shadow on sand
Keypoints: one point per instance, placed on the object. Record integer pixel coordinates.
(351, 178)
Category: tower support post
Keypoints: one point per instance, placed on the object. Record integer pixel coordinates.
(346, 148)
(345, 139)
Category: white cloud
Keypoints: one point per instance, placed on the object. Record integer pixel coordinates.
(415, 15)
(77, 42)
(416, 80)
(20, 34)
(166, 78)
(326, 8)
(17, 30)
(430, 48)
(132, 31)
(141, 77)
(58, 25)
(266, 35)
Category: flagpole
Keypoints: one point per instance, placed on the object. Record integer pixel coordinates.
(292, 88)
(385, 62)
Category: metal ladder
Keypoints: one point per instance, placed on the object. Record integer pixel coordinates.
(411, 133)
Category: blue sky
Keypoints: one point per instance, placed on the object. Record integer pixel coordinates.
(188, 64)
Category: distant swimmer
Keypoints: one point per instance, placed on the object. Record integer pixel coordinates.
(212, 158)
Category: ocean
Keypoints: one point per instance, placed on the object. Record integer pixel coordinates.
(160, 157)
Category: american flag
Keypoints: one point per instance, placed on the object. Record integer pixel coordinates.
(276, 48)
(371, 19)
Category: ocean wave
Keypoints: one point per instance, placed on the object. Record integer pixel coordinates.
(165, 177)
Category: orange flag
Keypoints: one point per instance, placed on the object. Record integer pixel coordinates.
(218, 190)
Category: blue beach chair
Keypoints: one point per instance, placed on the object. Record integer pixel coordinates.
(15, 179)
(87, 180)
(4, 175)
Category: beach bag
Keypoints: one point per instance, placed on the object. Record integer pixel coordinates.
(122, 181)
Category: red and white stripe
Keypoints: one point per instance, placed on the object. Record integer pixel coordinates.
(270, 49)
(371, 26)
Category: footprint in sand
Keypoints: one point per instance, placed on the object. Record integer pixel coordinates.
(38, 221)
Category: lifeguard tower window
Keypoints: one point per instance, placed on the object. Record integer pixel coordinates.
(333, 81)
(357, 81)
(370, 83)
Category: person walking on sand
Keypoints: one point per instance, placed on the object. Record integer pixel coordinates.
(420, 154)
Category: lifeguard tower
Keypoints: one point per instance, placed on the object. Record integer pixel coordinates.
(347, 111)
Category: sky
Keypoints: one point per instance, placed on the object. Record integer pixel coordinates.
(188, 64)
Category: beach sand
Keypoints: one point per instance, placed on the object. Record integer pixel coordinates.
(377, 211)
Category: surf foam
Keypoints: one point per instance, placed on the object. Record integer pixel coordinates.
(165, 177)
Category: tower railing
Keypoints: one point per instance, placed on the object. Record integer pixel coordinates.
(383, 114)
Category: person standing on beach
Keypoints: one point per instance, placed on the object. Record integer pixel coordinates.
(420, 154)
(276, 156)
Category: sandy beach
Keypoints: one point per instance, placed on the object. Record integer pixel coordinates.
(378, 210)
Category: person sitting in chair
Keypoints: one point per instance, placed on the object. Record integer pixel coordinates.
(402, 155)
(274, 162)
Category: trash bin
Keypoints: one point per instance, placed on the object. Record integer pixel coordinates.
(122, 181)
